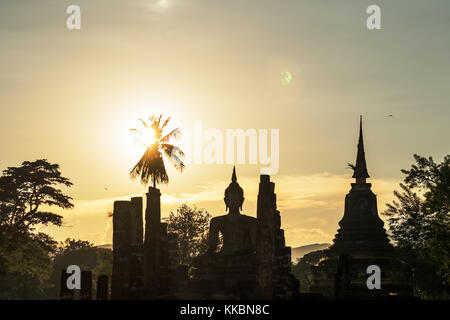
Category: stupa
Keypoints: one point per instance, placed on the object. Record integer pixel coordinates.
(361, 241)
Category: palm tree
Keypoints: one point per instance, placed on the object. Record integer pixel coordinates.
(151, 165)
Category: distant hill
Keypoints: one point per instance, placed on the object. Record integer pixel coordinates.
(104, 246)
(299, 252)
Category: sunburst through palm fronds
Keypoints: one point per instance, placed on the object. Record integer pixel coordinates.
(151, 166)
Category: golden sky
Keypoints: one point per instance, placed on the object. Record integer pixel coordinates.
(71, 96)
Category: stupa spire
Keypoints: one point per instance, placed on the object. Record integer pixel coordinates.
(360, 171)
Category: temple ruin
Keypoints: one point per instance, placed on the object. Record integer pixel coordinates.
(360, 242)
(254, 261)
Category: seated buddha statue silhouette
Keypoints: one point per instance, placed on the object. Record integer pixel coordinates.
(238, 230)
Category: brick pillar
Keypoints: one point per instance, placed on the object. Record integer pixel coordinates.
(152, 242)
(136, 275)
(102, 287)
(121, 250)
(265, 250)
(136, 223)
(86, 285)
(65, 293)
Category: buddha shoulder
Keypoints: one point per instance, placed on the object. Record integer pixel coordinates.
(248, 219)
(218, 219)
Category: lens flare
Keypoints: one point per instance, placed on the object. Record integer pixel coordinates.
(286, 78)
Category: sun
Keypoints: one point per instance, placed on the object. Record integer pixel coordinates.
(163, 3)
(137, 105)
(144, 135)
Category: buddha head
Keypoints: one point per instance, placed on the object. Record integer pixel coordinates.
(234, 195)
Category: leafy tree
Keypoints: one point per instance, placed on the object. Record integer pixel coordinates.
(26, 193)
(27, 266)
(419, 224)
(25, 190)
(191, 226)
(302, 270)
(151, 165)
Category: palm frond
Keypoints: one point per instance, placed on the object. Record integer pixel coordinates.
(165, 123)
(175, 133)
(137, 139)
(156, 126)
(143, 123)
(136, 132)
(141, 142)
(172, 149)
(351, 166)
(174, 155)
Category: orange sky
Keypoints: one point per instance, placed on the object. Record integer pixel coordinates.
(71, 96)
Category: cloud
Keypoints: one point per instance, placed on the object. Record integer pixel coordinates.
(302, 236)
(106, 235)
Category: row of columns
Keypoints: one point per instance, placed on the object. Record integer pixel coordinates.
(85, 291)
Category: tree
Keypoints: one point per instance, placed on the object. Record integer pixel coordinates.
(191, 226)
(419, 224)
(25, 262)
(151, 165)
(27, 266)
(302, 270)
(25, 190)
